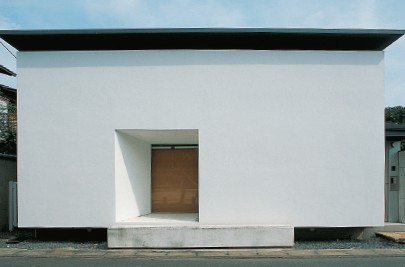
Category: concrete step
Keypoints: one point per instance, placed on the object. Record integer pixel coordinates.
(197, 235)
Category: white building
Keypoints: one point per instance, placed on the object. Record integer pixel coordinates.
(237, 135)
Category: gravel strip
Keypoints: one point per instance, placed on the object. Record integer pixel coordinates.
(372, 243)
(30, 243)
(36, 244)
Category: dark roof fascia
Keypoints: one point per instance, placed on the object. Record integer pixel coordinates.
(394, 137)
(394, 127)
(394, 132)
(7, 88)
(201, 38)
(207, 30)
(8, 157)
(6, 71)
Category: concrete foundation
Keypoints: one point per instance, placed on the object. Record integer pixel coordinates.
(180, 231)
(179, 236)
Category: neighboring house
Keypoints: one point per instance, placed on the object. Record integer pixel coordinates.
(8, 173)
(8, 116)
(8, 164)
(8, 101)
(394, 173)
(7, 94)
(201, 137)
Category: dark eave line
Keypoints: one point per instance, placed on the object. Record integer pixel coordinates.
(201, 38)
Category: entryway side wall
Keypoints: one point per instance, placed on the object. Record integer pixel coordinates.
(132, 174)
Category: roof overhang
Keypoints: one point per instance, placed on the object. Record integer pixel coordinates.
(6, 71)
(201, 38)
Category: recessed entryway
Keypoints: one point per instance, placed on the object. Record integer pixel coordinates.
(176, 183)
(175, 180)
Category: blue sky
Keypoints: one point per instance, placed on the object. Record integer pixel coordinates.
(67, 14)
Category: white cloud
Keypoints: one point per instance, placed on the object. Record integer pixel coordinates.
(367, 14)
(6, 59)
(7, 24)
(395, 74)
(173, 13)
(121, 10)
(318, 14)
(188, 13)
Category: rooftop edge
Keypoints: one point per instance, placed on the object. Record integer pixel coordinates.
(201, 38)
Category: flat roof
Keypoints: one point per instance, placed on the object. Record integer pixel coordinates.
(201, 38)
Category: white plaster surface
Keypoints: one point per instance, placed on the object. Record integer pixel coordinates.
(285, 137)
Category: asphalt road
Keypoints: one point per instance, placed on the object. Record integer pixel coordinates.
(301, 262)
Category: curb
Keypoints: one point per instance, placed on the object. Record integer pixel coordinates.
(199, 253)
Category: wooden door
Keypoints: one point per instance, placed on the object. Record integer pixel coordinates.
(175, 180)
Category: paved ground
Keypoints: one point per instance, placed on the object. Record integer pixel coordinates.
(197, 262)
(373, 252)
(198, 253)
(398, 237)
(289, 257)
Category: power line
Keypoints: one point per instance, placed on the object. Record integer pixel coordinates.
(8, 49)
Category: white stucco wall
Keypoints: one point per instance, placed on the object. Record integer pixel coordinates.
(284, 137)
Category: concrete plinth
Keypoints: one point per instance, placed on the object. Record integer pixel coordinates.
(195, 235)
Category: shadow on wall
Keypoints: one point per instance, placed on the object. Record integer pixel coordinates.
(195, 58)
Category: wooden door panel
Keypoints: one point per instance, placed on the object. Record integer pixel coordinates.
(175, 180)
